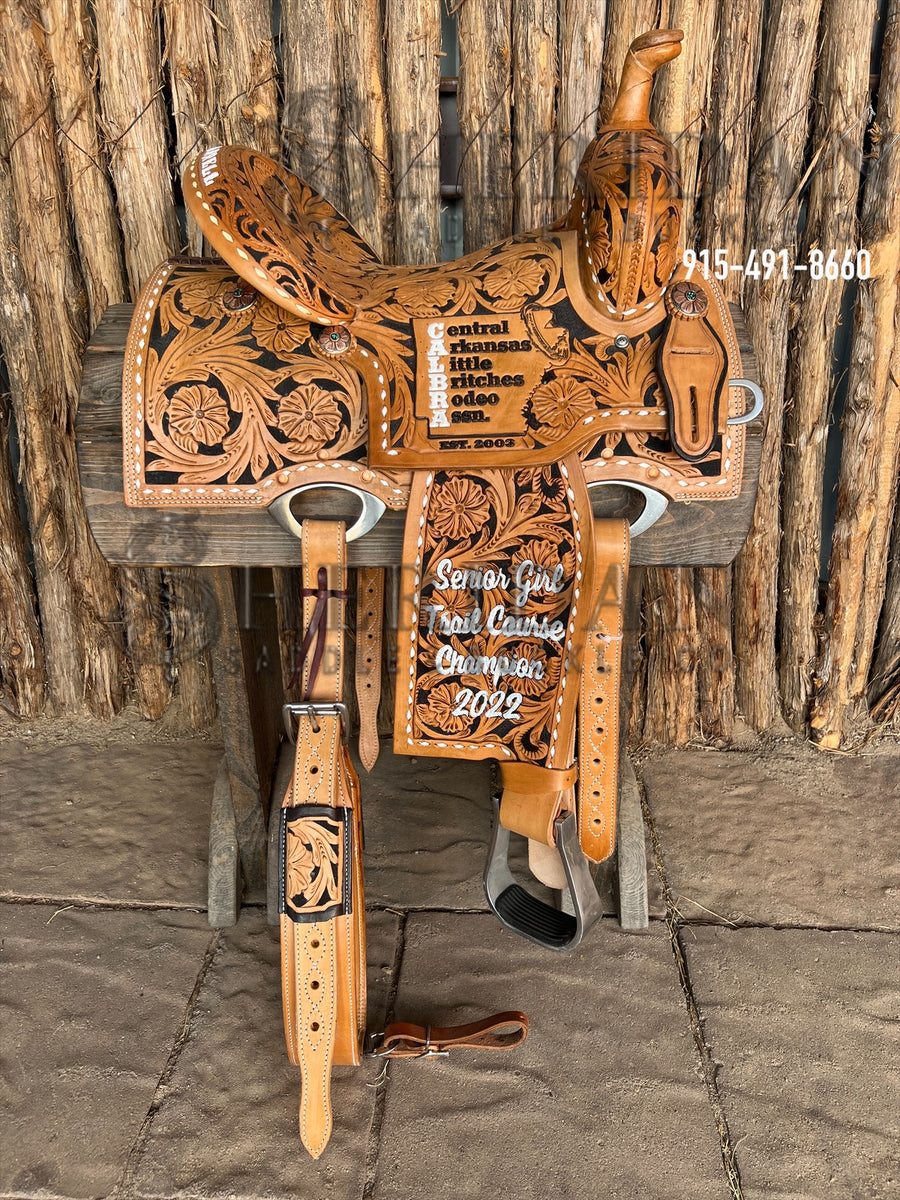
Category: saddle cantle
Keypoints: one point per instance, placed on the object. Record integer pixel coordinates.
(486, 396)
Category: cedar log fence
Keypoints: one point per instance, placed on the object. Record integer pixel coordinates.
(786, 117)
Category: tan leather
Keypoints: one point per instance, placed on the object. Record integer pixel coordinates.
(501, 1032)
(501, 383)
(645, 56)
(369, 621)
(598, 712)
(504, 357)
(323, 922)
(692, 369)
(325, 549)
(465, 637)
(533, 797)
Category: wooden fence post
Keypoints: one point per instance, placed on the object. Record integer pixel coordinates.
(582, 25)
(870, 452)
(485, 120)
(534, 79)
(248, 74)
(776, 162)
(43, 340)
(842, 95)
(413, 45)
(22, 675)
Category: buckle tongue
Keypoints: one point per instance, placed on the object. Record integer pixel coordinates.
(312, 709)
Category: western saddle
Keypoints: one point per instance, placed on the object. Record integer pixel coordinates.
(485, 397)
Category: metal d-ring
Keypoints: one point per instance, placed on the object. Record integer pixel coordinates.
(758, 400)
(655, 503)
(372, 509)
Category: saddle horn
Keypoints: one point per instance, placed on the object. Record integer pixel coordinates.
(626, 207)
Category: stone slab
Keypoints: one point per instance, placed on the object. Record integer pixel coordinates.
(428, 823)
(604, 1099)
(804, 1025)
(122, 824)
(226, 1122)
(93, 1004)
(795, 836)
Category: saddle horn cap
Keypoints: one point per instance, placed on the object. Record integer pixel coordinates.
(626, 207)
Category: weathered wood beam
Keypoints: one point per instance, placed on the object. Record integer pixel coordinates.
(22, 675)
(534, 73)
(43, 327)
(870, 447)
(582, 25)
(485, 120)
(366, 134)
(311, 123)
(776, 165)
(193, 74)
(413, 48)
(73, 53)
(842, 100)
(248, 74)
(681, 90)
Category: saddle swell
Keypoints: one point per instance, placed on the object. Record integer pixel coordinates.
(485, 396)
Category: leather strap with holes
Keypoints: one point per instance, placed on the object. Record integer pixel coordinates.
(321, 883)
(598, 711)
(369, 623)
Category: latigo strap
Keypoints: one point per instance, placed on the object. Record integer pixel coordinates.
(323, 956)
(323, 949)
(369, 622)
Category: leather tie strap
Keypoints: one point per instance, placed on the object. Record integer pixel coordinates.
(322, 904)
(503, 1031)
(598, 712)
(369, 611)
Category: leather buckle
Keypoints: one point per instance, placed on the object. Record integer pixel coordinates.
(378, 1050)
(312, 710)
(524, 913)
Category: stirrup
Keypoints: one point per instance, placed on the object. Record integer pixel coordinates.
(525, 914)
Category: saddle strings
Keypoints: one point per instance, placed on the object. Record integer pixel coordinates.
(317, 628)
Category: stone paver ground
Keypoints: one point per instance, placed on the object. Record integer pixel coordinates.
(745, 1046)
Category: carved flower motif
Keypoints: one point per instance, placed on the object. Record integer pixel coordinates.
(516, 282)
(459, 508)
(438, 712)
(560, 404)
(197, 416)
(546, 557)
(309, 417)
(599, 242)
(313, 856)
(456, 602)
(544, 480)
(425, 296)
(278, 330)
